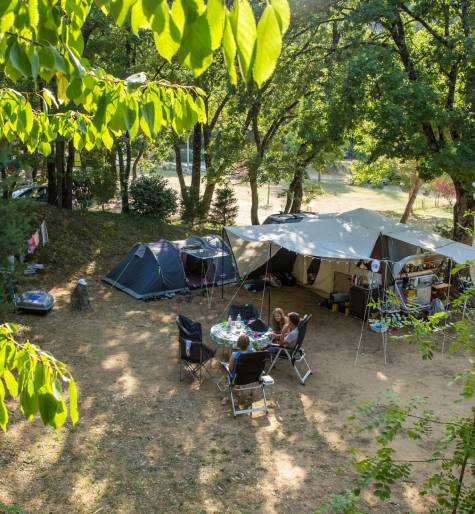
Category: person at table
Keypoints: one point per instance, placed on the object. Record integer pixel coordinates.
(278, 322)
(289, 335)
(243, 346)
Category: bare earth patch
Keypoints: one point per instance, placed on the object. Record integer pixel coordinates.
(147, 443)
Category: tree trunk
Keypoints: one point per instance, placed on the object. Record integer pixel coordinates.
(179, 171)
(205, 203)
(51, 171)
(111, 157)
(412, 198)
(34, 166)
(254, 197)
(5, 189)
(195, 172)
(298, 190)
(60, 171)
(464, 209)
(136, 162)
(123, 179)
(68, 179)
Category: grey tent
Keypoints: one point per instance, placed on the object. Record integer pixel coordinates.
(149, 270)
(207, 261)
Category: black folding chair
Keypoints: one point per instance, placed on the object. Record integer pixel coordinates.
(249, 376)
(247, 311)
(295, 355)
(192, 352)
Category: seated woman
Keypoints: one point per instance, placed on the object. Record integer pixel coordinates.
(244, 346)
(289, 335)
(278, 322)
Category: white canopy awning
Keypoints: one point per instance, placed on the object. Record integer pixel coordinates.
(349, 235)
(326, 237)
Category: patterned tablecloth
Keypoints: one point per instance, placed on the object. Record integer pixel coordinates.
(220, 335)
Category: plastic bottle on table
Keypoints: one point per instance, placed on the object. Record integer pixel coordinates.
(228, 324)
(238, 322)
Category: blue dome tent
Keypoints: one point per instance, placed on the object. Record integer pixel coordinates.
(153, 270)
(148, 271)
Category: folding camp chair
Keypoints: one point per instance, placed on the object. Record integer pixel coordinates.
(249, 376)
(296, 354)
(247, 311)
(192, 352)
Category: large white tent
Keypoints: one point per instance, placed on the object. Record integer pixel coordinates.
(339, 240)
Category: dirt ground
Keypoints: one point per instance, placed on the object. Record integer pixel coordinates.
(147, 443)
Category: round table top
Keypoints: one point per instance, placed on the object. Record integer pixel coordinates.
(220, 335)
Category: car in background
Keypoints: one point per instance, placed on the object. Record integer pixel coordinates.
(32, 192)
(291, 217)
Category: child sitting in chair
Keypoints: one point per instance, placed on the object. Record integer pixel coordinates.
(243, 346)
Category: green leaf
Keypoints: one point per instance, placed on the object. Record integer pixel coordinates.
(73, 401)
(245, 34)
(269, 46)
(47, 405)
(282, 11)
(169, 39)
(215, 14)
(33, 12)
(229, 50)
(60, 415)
(3, 409)
(10, 382)
(19, 59)
(119, 10)
(138, 19)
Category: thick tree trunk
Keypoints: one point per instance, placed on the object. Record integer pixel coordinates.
(410, 201)
(205, 204)
(60, 171)
(68, 179)
(51, 172)
(298, 190)
(254, 198)
(464, 209)
(195, 172)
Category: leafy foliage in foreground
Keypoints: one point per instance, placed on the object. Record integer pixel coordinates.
(42, 41)
(35, 377)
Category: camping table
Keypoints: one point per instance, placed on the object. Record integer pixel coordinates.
(221, 336)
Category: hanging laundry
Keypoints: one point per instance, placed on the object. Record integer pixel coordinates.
(33, 242)
(44, 233)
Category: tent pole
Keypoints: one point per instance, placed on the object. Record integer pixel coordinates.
(269, 288)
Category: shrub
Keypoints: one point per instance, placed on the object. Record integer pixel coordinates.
(151, 196)
(82, 188)
(224, 208)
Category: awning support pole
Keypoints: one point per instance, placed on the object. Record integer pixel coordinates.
(270, 286)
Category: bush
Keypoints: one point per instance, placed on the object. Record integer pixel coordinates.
(151, 196)
(224, 209)
(82, 188)
(104, 182)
